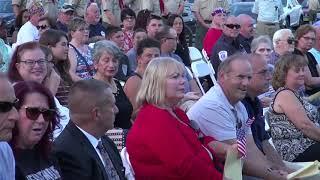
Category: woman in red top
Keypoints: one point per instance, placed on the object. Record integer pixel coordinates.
(214, 33)
(162, 143)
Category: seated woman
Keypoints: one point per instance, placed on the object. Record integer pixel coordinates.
(294, 122)
(182, 50)
(29, 63)
(80, 57)
(106, 63)
(57, 41)
(162, 142)
(33, 133)
(128, 19)
(306, 36)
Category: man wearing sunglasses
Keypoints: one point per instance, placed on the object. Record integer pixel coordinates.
(315, 51)
(82, 149)
(228, 43)
(283, 42)
(64, 17)
(8, 117)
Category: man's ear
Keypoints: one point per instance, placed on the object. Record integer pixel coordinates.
(95, 113)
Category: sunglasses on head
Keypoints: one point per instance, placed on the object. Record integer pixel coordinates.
(7, 106)
(232, 26)
(42, 27)
(33, 113)
(291, 41)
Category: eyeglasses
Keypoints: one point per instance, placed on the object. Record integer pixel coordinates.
(31, 63)
(264, 50)
(175, 38)
(33, 113)
(291, 41)
(42, 27)
(308, 38)
(264, 72)
(7, 106)
(129, 18)
(232, 26)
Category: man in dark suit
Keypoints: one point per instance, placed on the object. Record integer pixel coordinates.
(82, 149)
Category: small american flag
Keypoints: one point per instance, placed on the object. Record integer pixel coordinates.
(241, 137)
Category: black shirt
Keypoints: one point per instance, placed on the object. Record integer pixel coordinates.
(254, 110)
(224, 47)
(30, 164)
(62, 27)
(183, 52)
(245, 42)
(123, 118)
(96, 30)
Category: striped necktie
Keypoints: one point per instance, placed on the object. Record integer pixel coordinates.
(108, 165)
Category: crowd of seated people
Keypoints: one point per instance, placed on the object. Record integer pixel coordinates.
(67, 82)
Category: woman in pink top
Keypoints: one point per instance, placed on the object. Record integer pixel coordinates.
(215, 31)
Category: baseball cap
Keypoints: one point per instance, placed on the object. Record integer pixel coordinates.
(66, 7)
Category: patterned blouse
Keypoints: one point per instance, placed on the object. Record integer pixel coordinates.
(84, 70)
(288, 140)
(128, 40)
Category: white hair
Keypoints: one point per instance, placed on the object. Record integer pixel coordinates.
(278, 34)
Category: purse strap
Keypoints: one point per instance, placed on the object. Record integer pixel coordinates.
(84, 59)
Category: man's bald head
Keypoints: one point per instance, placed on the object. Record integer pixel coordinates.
(8, 117)
(246, 22)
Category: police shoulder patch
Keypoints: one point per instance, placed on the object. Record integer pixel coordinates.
(223, 55)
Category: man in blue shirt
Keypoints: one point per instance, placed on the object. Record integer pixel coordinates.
(8, 117)
(259, 84)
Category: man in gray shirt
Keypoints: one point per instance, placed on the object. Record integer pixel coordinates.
(8, 117)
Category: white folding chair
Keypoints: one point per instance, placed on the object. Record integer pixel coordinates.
(201, 69)
(129, 173)
(195, 54)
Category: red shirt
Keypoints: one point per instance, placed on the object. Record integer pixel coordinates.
(162, 147)
(210, 39)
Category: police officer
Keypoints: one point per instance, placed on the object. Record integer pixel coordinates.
(202, 10)
(227, 44)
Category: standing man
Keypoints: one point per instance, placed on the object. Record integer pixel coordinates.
(259, 84)
(64, 17)
(269, 13)
(111, 11)
(227, 44)
(202, 10)
(220, 114)
(246, 31)
(83, 150)
(79, 6)
(314, 6)
(8, 117)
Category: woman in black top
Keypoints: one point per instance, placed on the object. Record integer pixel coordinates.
(33, 133)
(182, 50)
(305, 36)
(106, 63)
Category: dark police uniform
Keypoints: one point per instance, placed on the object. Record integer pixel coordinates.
(225, 47)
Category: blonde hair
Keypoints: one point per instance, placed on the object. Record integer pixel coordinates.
(153, 88)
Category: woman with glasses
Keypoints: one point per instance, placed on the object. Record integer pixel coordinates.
(29, 63)
(80, 57)
(128, 19)
(306, 36)
(33, 132)
(283, 42)
(294, 122)
(182, 50)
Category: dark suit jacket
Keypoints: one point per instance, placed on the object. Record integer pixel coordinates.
(78, 159)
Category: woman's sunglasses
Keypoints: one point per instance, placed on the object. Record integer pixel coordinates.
(33, 113)
(291, 41)
(7, 106)
(42, 27)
